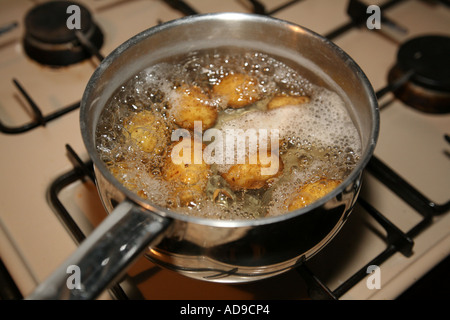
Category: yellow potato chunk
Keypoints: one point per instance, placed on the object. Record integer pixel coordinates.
(250, 175)
(149, 132)
(192, 104)
(238, 90)
(190, 175)
(312, 192)
(283, 100)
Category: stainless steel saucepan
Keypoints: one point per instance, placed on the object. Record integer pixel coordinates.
(207, 249)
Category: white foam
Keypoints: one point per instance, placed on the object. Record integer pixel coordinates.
(323, 123)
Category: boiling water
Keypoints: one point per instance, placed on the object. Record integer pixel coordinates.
(317, 139)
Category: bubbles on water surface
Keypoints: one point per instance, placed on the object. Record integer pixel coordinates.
(317, 139)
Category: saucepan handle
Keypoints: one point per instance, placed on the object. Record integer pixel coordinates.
(104, 256)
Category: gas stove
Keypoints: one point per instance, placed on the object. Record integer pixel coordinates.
(398, 231)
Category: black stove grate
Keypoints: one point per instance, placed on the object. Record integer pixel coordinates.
(396, 240)
(37, 117)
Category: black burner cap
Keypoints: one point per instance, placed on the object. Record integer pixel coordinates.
(50, 41)
(429, 58)
(48, 22)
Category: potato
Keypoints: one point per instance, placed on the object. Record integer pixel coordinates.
(191, 104)
(238, 90)
(312, 192)
(283, 100)
(189, 178)
(149, 132)
(250, 175)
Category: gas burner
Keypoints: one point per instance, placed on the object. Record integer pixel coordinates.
(49, 41)
(424, 62)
